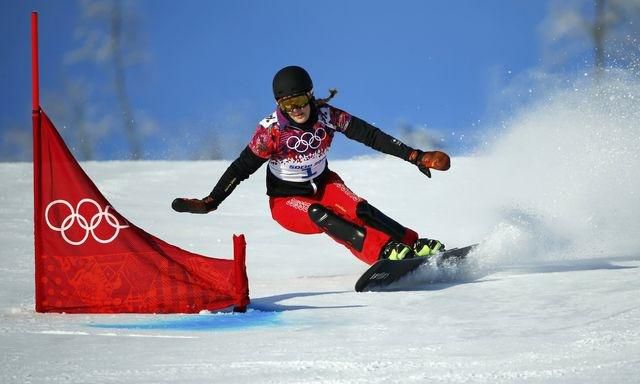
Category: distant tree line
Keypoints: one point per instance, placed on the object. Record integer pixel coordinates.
(608, 31)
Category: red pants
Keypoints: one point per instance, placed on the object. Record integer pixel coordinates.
(291, 213)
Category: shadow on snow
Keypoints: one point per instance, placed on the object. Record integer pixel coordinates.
(262, 312)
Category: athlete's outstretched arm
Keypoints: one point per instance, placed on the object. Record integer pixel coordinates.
(240, 169)
(375, 138)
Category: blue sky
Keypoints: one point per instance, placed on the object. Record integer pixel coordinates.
(200, 72)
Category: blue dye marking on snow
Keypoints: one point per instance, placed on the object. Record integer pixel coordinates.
(203, 322)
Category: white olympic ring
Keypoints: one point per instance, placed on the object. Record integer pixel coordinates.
(89, 226)
(306, 140)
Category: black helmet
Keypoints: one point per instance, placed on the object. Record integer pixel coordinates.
(292, 80)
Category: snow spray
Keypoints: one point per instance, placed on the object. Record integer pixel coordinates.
(565, 173)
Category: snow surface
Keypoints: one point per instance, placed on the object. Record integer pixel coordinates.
(552, 295)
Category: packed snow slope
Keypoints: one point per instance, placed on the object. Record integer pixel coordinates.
(552, 294)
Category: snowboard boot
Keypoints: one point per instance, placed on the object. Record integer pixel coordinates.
(395, 250)
(427, 247)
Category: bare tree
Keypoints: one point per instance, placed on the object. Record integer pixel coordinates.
(610, 28)
(598, 33)
(105, 34)
(77, 110)
(421, 137)
(135, 146)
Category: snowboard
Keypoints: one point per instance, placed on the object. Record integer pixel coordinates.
(385, 272)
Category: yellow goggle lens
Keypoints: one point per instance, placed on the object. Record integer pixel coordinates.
(288, 104)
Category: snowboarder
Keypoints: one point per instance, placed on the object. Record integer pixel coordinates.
(305, 196)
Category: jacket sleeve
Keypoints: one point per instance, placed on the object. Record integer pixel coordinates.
(240, 169)
(367, 134)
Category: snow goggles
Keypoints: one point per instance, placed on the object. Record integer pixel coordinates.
(290, 103)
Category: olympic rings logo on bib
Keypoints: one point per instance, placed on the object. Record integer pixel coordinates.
(89, 226)
(306, 140)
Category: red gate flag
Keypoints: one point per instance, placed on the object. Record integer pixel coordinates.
(90, 259)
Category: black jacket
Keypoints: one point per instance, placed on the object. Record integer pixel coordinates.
(248, 163)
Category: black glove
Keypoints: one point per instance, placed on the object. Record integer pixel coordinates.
(434, 160)
(205, 205)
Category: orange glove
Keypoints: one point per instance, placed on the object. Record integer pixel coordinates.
(426, 160)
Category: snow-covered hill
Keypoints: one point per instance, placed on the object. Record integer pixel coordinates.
(552, 295)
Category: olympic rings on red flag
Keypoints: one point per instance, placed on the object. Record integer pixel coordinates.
(89, 226)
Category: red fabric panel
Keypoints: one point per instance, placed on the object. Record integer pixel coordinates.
(90, 259)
